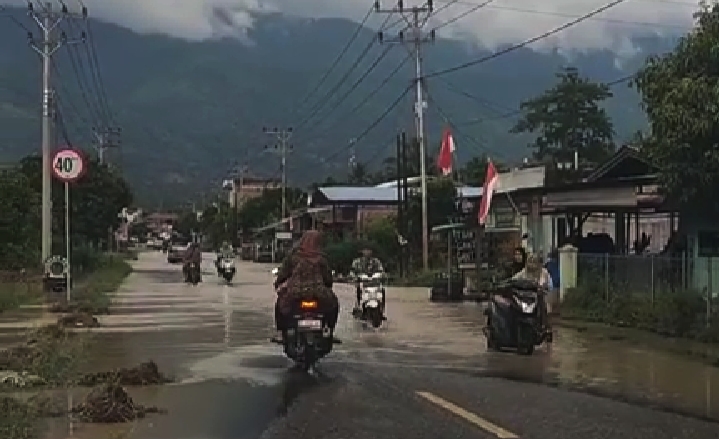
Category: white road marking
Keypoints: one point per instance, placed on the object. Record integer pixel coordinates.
(468, 416)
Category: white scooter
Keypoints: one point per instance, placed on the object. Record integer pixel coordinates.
(226, 269)
(372, 299)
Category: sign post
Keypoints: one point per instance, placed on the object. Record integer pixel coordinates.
(68, 166)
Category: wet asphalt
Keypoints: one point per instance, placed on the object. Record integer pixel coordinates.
(426, 374)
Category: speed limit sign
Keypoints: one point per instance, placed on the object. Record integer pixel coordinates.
(68, 165)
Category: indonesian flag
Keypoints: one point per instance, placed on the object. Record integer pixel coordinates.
(444, 161)
(491, 180)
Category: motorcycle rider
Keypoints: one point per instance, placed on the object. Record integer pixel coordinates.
(305, 274)
(226, 252)
(519, 261)
(367, 265)
(534, 270)
(193, 254)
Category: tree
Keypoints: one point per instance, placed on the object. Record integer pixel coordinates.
(568, 118)
(267, 208)
(679, 92)
(475, 170)
(441, 196)
(20, 221)
(95, 200)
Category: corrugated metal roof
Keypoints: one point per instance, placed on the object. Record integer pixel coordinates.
(510, 181)
(359, 194)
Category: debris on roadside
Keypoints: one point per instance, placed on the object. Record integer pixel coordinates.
(78, 307)
(78, 320)
(110, 404)
(145, 374)
(10, 378)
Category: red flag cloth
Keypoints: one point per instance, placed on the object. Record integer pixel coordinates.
(491, 180)
(444, 160)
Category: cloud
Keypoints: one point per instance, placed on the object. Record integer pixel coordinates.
(499, 23)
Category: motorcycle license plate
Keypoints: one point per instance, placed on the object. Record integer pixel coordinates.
(309, 324)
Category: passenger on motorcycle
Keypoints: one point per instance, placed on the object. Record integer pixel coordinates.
(305, 275)
(367, 265)
(534, 270)
(519, 260)
(193, 254)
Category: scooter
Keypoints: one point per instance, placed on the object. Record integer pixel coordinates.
(226, 269)
(372, 299)
(308, 337)
(513, 317)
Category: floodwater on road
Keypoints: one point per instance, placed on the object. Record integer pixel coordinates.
(232, 383)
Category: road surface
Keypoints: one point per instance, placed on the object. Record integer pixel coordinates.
(425, 375)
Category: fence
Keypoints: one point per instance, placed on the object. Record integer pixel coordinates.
(648, 278)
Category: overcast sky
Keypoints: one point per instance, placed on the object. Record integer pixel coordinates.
(501, 22)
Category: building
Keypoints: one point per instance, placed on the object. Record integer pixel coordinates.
(246, 187)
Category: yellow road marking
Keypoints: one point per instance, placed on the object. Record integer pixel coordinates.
(468, 416)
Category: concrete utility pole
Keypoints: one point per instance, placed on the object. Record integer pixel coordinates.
(105, 139)
(282, 147)
(48, 20)
(416, 18)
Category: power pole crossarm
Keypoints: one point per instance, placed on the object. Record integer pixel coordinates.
(48, 20)
(282, 147)
(106, 138)
(416, 18)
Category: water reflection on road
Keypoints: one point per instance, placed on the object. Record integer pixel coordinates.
(213, 338)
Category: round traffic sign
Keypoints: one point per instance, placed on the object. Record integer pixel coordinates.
(68, 165)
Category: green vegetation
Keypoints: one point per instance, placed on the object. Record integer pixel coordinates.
(681, 314)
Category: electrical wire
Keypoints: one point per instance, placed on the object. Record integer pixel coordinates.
(526, 42)
(368, 97)
(372, 126)
(356, 84)
(464, 14)
(336, 61)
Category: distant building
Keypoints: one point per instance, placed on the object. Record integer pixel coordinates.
(246, 187)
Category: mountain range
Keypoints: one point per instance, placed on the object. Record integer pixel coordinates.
(191, 111)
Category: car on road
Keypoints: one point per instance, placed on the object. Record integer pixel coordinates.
(176, 252)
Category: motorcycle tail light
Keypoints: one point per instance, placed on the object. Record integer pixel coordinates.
(308, 304)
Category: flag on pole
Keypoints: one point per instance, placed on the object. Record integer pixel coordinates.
(491, 180)
(444, 161)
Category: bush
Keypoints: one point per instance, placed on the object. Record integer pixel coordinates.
(676, 314)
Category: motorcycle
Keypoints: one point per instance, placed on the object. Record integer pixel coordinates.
(308, 338)
(372, 299)
(513, 317)
(226, 269)
(192, 274)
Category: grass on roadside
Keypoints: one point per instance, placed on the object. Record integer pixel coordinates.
(93, 293)
(17, 290)
(18, 420)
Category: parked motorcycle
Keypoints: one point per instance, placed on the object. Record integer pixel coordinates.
(308, 338)
(372, 300)
(192, 274)
(226, 269)
(513, 317)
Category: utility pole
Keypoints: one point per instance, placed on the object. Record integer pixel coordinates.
(416, 17)
(353, 158)
(105, 139)
(48, 20)
(282, 147)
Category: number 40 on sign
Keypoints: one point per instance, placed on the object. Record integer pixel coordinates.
(68, 165)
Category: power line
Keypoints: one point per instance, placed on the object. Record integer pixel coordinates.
(526, 42)
(337, 59)
(372, 126)
(369, 96)
(319, 104)
(356, 84)
(464, 14)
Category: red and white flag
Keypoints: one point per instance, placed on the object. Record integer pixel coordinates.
(491, 180)
(444, 161)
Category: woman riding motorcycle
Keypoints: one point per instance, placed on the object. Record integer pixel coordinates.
(192, 255)
(534, 270)
(305, 275)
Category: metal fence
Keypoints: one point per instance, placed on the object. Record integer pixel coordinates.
(648, 277)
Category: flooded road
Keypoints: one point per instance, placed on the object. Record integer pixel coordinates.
(426, 374)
